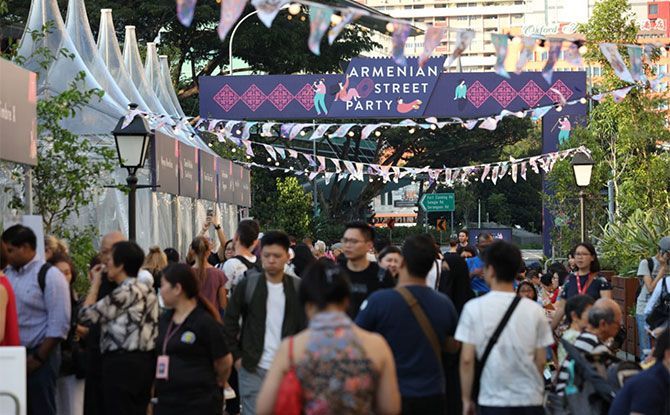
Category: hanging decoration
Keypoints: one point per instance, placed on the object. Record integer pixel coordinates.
(635, 55)
(572, 54)
(463, 41)
(231, 10)
(398, 40)
(552, 57)
(611, 52)
(267, 10)
(500, 44)
(432, 40)
(348, 16)
(526, 53)
(319, 22)
(186, 11)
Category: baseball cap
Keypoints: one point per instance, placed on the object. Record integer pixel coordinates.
(664, 244)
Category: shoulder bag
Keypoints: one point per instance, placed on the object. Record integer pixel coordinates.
(289, 395)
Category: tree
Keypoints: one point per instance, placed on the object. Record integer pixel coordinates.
(622, 138)
(293, 208)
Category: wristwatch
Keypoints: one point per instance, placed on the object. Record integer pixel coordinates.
(217, 227)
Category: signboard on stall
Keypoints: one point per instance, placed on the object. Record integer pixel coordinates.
(225, 191)
(18, 114)
(188, 171)
(166, 163)
(208, 185)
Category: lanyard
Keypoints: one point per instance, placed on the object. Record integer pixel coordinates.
(169, 334)
(586, 286)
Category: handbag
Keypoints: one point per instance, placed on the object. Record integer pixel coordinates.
(661, 311)
(289, 395)
(480, 363)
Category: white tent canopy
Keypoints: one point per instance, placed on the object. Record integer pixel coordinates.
(162, 219)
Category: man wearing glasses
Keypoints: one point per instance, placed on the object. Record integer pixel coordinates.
(366, 276)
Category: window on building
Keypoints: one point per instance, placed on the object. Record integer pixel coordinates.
(653, 9)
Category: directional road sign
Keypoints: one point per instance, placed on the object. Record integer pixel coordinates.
(438, 202)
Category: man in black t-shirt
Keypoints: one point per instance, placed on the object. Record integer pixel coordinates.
(366, 277)
(464, 242)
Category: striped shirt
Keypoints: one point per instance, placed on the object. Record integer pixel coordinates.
(588, 344)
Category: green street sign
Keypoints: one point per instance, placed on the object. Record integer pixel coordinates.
(438, 202)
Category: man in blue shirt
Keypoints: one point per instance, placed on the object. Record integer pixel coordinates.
(44, 315)
(648, 392)
(387, 312)
(476, 265)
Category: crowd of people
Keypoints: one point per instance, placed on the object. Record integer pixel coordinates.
(264, 324)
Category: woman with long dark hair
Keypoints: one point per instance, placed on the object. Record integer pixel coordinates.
(212, 281)
(193, 362)
(587, 280)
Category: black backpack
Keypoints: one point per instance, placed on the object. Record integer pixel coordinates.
(661, 311)
(42, 276)
(250, 265)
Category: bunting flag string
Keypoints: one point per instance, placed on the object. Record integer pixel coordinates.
(449, 176)
(320, 22)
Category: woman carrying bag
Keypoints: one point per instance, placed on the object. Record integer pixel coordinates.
(332, 367)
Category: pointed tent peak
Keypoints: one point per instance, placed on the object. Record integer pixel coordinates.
(133, 62)
(167, 80)
(41, 13)
(79, 30)
(99, 116)
(152, 73)
(110, 53)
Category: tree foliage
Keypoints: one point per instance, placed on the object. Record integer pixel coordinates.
(623, 140)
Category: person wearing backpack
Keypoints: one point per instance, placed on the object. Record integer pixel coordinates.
(43, 310)
(650, 272)
(657, 310)
(244, 242)
(263, 309)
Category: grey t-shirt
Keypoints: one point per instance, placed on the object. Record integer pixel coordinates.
(642, 270)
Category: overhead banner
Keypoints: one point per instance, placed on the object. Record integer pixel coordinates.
(188, 171)
(18, 114)
(373, 88)
(166, 163)
(208, 184)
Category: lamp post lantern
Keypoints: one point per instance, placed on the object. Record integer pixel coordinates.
(582, 167)
(132, 143)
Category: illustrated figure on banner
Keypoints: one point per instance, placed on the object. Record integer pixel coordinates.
(564, 128)
(461, 90)
(345, 93)
(362, 90)
(319, 88)
(404, 108)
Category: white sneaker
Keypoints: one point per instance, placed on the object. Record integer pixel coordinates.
(229, 393)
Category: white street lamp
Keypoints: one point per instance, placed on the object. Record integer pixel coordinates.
(582, 167)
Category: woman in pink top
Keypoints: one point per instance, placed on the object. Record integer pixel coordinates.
(212, 280)
(9, 323)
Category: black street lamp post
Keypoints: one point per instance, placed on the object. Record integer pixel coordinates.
(132, 143)
(582, 167)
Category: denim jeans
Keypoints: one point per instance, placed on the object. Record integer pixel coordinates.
(250, 385)
(42, 385)
(643, 337)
